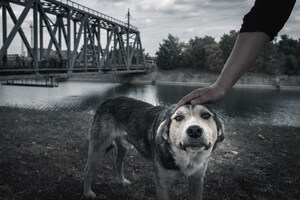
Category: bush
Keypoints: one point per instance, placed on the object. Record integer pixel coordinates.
(291, 64)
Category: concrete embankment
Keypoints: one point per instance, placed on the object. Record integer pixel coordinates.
(197, 79)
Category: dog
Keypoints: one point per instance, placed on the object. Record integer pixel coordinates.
(176, 141)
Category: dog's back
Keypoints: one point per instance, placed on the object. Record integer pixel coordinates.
(122, 117)
(121, 121)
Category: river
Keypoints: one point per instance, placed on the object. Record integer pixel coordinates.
(256, 106)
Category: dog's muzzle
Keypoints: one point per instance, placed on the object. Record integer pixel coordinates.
(195, 147)
(195, 143)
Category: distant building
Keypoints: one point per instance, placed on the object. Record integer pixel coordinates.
(150, 63)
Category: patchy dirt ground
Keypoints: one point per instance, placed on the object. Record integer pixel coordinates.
(43, 154)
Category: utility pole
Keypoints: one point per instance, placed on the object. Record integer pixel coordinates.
(31, 37)
(127, 53)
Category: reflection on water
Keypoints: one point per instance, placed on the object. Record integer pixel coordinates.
(243, 105)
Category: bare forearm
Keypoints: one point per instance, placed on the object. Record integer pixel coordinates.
(247, 48)
(266, 18)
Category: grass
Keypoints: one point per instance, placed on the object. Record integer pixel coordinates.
(43, 155)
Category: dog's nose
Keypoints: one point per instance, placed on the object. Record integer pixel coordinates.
(194, 131)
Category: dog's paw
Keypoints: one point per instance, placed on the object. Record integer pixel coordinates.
(90, 195)
(125, 182)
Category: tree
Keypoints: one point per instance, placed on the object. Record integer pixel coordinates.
(227, 42)
(290, 48)
(169, 54)
(269, 61)
(205, 53)
(291, 64)
(214, 58)
(194, 54)
(147, 55)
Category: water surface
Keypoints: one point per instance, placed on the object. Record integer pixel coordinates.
(260, 106)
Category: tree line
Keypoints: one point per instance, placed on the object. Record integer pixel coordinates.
(204, 53)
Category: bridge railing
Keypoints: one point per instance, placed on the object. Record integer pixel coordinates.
(96, 13)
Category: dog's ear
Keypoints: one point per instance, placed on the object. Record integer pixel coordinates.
(164, 126)
(163, 130)
(220, 129)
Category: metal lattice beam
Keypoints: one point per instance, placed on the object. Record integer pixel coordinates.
(72, 52)
(21, 32)
(7, 41)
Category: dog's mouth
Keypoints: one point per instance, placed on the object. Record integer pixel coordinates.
(195, 147)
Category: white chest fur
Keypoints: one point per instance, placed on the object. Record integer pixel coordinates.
(191, 162)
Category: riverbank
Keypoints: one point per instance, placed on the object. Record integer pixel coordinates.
(189, 77)
(43, 154)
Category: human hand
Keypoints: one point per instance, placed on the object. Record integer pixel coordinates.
(208, 94)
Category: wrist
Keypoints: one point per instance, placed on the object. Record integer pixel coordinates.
(218, 90)
(222, 86)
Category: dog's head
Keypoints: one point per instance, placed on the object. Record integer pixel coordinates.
(192, 128)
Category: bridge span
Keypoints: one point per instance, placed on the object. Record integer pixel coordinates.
(67, 39)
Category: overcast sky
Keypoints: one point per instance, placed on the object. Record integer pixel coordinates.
(183, 18)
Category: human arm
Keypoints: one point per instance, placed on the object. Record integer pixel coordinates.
(247, 48)
(261, 24)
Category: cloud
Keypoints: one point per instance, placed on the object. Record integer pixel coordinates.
(183, 18)
(155, 5)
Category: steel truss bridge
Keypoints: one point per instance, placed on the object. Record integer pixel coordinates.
(84, 40)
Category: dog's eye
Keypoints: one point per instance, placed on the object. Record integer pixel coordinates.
(179, 118)
(205, 115)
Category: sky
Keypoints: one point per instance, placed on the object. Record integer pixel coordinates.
(185, 19)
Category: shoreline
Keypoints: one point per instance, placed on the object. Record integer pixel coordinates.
(188, 84)
(196, 79)
(196, 84)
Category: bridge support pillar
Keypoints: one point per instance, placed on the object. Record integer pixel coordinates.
(4, 29)
(35, 37)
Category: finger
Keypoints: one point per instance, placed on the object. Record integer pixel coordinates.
(181, 103)
(203, 99)
(199, 100)
(187, 99)
(193, 95)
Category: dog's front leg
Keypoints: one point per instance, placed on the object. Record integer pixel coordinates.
(195, 187)
(163, 179)
(196, 182)
(162, 187)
